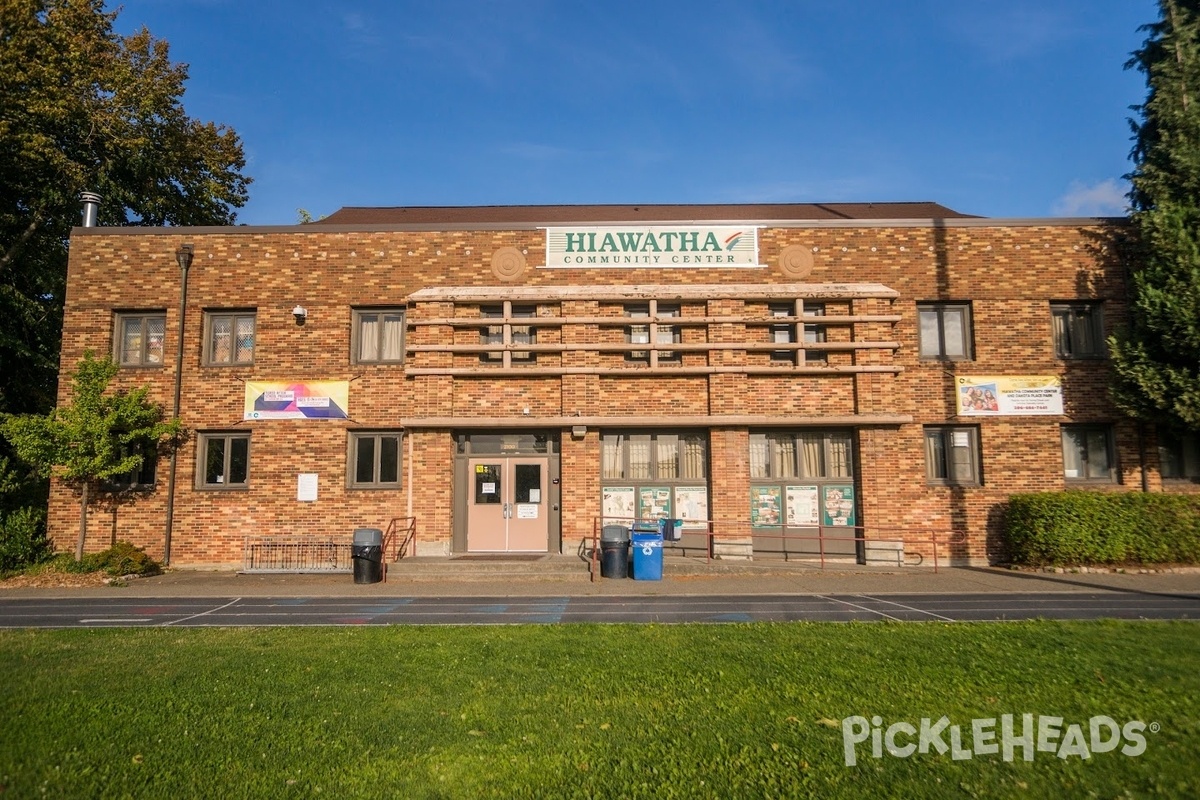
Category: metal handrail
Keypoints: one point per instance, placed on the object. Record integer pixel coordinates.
(400, 538)
(935, 537)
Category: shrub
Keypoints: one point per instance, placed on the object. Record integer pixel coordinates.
(1073, 528)
(121, 559)
(23, 538)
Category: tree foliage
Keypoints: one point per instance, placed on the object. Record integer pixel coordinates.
(85, 109)
(1157, 359)
(98, 436)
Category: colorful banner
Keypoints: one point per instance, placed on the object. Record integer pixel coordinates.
(297, 400)
(1016, 395)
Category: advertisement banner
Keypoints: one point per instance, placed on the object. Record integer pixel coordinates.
(1009, 396)
(802, 506)
(297, 400)
(691, 504)
(658, 246)
(837, 505)
(766, 507)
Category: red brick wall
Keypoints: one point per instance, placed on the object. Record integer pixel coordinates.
(1009, 273)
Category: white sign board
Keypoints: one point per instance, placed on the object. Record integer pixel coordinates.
(652, 246)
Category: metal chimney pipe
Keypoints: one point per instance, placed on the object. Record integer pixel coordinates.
(91, 205)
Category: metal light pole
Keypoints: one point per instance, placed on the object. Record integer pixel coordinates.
(183, 256)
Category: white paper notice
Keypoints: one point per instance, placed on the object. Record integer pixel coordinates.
(306, 487)
(527, 511)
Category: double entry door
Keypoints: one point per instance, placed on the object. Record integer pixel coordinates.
(507, 504)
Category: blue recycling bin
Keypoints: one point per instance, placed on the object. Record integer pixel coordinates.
(647, 557)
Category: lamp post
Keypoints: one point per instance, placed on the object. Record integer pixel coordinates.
(183, 257)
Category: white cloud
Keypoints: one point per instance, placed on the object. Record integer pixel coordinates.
(1103, 199)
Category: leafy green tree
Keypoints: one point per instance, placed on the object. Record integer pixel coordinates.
(1157, 359)
(98, 436)
(85, 109)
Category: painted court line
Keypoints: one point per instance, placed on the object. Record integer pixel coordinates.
(113, 620)
(860, 608)
(907, 608)
(202, 613)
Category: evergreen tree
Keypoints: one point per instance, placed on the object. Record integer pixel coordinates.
(1157, 359)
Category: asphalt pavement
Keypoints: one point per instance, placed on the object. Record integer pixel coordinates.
(560, 589)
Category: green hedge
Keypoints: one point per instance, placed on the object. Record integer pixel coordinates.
(1075, 528)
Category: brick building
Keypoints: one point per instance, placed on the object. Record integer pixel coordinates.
(511, 376)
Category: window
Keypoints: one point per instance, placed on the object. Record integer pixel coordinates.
(659, 334)
(945, 330)
(1088, 452)
(507, 333)
(952, 455)
(805, 454)
(657, 457)
(1178, 455)
(785, 332)
(378, 335)
(1078, 330)
(782, 332)
(139, 339)
(224, 460)
(229, 338)
(814, 333)
(140, 479)
(375, 460)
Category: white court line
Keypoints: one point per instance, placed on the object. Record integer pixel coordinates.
(113, 619)
(860, 608)
(907, 608)
(202, 613)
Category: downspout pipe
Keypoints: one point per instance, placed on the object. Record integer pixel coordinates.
(183, 256)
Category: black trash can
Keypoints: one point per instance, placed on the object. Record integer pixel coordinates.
(614, 551)
(367, 554)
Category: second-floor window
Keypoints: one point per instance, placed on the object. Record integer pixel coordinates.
(139, 338)
(229, 338)
(944, 330)
(378, 335)
(657, 332)
(1078, 330)
(508, 333)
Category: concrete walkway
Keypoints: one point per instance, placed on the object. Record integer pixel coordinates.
(566, 576)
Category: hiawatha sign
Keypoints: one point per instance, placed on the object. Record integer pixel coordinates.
(666, 246)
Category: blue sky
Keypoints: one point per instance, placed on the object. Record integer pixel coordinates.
(1008, 108)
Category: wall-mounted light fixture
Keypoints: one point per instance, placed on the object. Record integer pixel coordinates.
(300, 313)
(578, 431)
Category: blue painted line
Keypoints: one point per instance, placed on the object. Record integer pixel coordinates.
(548, 612)
(385, 608)
(498, 608)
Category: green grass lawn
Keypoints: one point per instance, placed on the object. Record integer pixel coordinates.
(717, 711)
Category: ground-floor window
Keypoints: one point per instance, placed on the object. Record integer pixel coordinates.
(224, 460)
(1178, 455)
(654, 475)
(374, 460)
(1088, 453)
(952, 455)
(802, 482)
